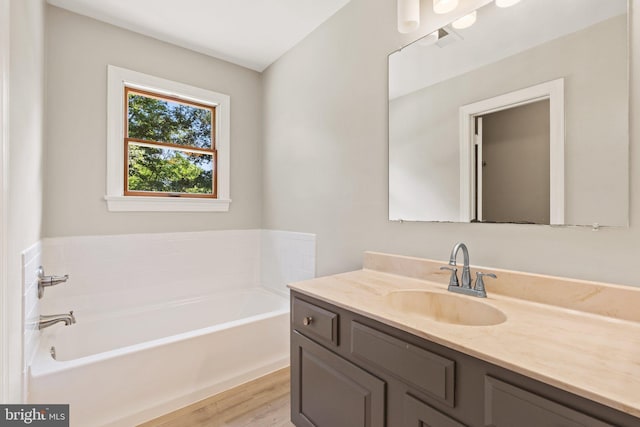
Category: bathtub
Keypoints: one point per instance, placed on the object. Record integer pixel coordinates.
(119, 368)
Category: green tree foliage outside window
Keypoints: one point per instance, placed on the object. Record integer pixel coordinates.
(154, 168)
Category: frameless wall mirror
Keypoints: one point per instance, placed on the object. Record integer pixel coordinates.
(521, 118)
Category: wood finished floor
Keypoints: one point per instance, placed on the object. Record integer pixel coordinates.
(260, 403)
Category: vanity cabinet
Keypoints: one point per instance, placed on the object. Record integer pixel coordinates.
(330, 391)
(506, 406)
(419, 414)
(350, 370)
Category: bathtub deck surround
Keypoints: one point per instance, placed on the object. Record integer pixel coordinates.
(580, 337)
(173, 313)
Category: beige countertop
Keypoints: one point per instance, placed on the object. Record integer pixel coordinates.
(580, 344)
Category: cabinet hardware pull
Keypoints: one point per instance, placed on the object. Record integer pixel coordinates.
(307, 321)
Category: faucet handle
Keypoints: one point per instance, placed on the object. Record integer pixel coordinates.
(479, 286)
(453, 280)
(45, 281)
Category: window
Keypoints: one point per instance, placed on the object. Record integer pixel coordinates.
(168, 145)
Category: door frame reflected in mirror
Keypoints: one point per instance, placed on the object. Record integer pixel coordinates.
(554, 92)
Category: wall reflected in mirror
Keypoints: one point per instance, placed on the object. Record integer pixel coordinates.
(513, 191)
(521, 118)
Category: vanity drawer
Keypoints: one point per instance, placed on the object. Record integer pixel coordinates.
(507, 406)
(417, 413)
(315, 322)
(426, 372)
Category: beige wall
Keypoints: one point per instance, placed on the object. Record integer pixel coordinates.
(26, 118)
(78, 51)
(325, 164)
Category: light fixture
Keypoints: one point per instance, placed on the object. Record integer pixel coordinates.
(506, 3)
(444, 6)
(408, 15)
(466, 21)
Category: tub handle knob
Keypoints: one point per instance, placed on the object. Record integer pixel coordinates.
(307, 320)
(45, 281)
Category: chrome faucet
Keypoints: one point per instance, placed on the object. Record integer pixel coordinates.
(466, 273)
(478, 289)
(46, 321)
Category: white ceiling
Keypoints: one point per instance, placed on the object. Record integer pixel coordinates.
(497, 34)
(251, 33)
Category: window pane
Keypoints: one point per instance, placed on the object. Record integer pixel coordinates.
(169, 171)
(160, 120)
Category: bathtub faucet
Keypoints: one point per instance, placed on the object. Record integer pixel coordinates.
(45, 281)
(46, 321)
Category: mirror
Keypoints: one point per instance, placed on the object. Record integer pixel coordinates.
(521, 118)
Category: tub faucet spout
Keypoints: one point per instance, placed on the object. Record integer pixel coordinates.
(46, 321)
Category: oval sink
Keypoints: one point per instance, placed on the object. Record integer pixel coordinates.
(446, 308)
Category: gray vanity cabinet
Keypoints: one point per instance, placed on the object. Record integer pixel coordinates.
(506, 405)
(329, 391)
(348, 370)
(419, 414)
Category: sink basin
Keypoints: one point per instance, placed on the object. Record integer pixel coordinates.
(446, 308)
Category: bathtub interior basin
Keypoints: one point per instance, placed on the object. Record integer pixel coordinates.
(445, 307)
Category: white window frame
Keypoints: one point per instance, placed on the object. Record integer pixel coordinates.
(118, 78)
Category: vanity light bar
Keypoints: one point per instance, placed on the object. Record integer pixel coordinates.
(408, 15)
(506, 3)
(444, 6)
(466, 21)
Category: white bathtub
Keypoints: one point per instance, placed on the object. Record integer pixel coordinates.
(121, 368)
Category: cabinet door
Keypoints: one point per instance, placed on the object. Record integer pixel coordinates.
(328, 391)
(507, 406)
(419, 414)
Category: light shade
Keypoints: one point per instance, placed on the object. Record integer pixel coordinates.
(408, 15)
(444, 6)
(466, 21)
(506, 3)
